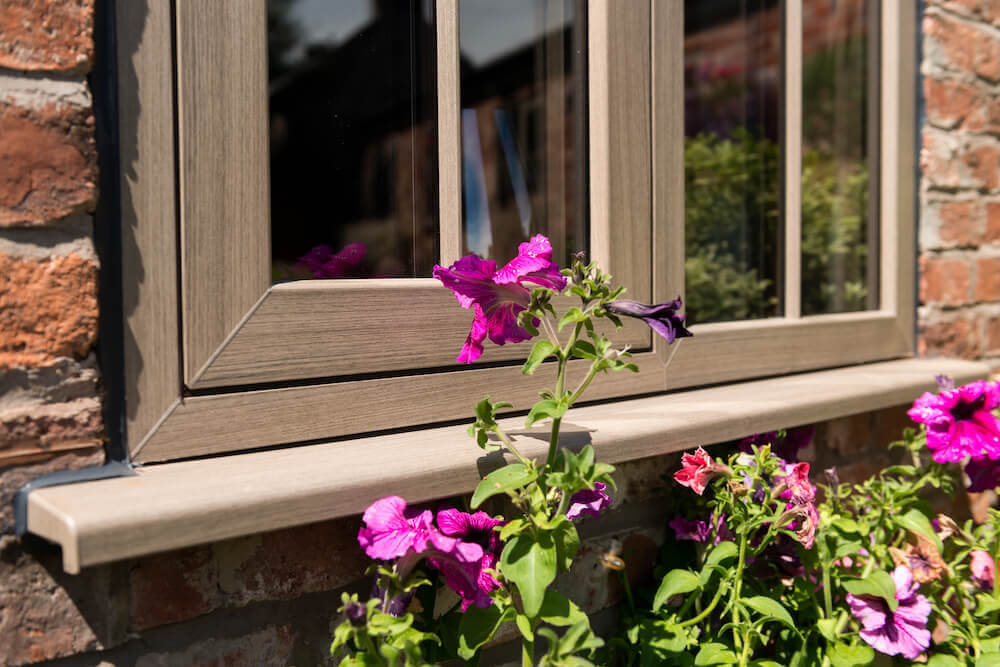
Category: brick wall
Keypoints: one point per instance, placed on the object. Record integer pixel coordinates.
(959, 314)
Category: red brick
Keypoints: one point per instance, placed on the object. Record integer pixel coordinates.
(48, 163)
(991, 343)
(944, 280)
(958, 222)
(890, 423)
(954, 338)
(954, 39)
(987, 56)
(988, 279)
(48, 309)
(47, 35)
(950, 102)
(939, 161)
(271, 645)
(848, 435)
(983, 161)
(171, 587)
(992, 222)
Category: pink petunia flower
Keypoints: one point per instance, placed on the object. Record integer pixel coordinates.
(983, 473)
(797, 487)
(983, 569)
(497, 297)
(472, 581)
(900, 632)
(959, 421)
(697, 470)
(588, 502)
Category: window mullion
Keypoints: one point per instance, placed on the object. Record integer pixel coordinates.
(449, 131)
(792, 152)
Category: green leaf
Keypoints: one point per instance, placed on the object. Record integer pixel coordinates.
(944, 660)
(986, 604)
(543, 409)
(531, 566)
(878, 584)
(988, 660)
(846, 525)
(523, 624)
(541, 351)
(477, 627)
(508, 478)
(557, 609)
(916, 521)
(827, 627)
(674, 583)
(574, 314)
(770, 609)
(842, 655)
(567, 542)
(584, 350)
(513, 526)
(714, 653)
(664, 635)
(722, 551)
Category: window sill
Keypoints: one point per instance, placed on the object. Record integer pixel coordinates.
(174, 505)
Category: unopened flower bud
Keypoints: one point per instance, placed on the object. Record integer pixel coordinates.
(832, 478)
(356, 613)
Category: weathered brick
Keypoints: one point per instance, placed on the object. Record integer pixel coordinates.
(48, 309)
(271, 646)
(848, 435)
(956, 222)
(171, 587)
(983, 163)
(47, 35)
(944, 280)
(986, 58)
(991, 337)
(988, 279)
(992, 234)
(947, 42)
(948, 338)
(951, 103)
(48, 163)
(287, 564)
(49, 430)
(939, 161)
(13, 478)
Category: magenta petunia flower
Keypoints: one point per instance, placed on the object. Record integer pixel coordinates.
(661, 318)
(798, 489)
(983, 569)
(497, 297)
(588, 502)
(472, 581)
(959, 421)
(900, 632)
(697, 470)
(323, 262)
(983, 473)
(700, 531)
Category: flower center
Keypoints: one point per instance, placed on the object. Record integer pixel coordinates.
(965, 410)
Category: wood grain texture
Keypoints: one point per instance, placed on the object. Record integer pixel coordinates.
(731, 351)
(791, 277)
(449, 131)
(620, 141)
(318, 329)
(229, 422)
(667, 43)
(182, 504)
(225, 233)
(148, 214)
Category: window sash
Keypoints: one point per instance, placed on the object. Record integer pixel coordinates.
(636, 202)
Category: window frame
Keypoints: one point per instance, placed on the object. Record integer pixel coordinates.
(214, 354)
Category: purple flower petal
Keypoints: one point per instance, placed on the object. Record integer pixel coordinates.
(661, 318)
(589, 502)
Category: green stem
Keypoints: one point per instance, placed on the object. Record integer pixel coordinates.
(628, 592)
(745, 655)
(827, 595)
(583, 385)
(553, 442)
(706, 611)
(510, 445)
(527, 653)
(737, 585)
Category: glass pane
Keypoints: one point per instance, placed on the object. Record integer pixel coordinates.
(838, 128)
(732, 75)
(353, 138)
(523, 125)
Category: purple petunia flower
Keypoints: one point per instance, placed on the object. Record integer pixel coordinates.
(959, 422)
(661, 318)
(984, 474)
(323, 262)
(472, 581)
(588, 502)
(497, 297)
(700, 531)
(784, 446)
(900, 632)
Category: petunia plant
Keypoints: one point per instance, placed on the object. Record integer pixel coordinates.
(784, 575)
(501, 568)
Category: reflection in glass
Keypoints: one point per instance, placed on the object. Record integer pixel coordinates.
(838, 126)
(353, 138)
(732, 77)
(523, 65)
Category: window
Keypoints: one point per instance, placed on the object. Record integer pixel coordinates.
(221, 358)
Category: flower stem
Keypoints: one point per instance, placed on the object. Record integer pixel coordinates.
(527, 652)
(553, 442)
(737, 585)
(706, 611)
(510, 445)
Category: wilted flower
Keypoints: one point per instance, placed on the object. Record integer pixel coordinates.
(959, 422)
(922, 559)
(661, 318)
(803, 520)
(472, 581)
(795, 485)
(983, 569)
(588, 502)
(900, 632)
(697, 470)
(497, 297)
(983, 473)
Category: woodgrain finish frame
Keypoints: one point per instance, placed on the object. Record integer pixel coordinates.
(238, 332)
